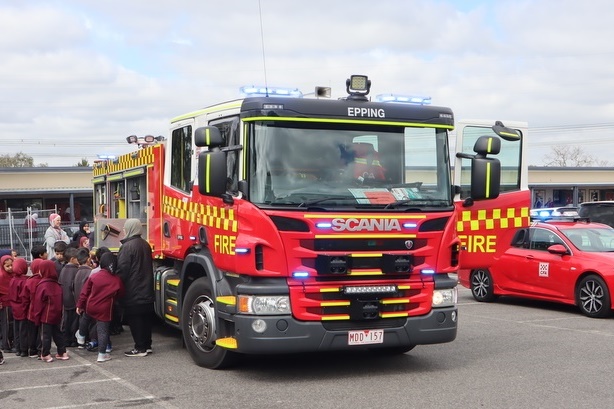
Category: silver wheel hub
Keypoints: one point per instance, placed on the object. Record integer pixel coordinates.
(480, 284)
(202, 324)
(591, 297)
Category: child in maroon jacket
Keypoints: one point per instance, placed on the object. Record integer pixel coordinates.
(29, 290)
(47, 310)
(96, 301)
(20, 269)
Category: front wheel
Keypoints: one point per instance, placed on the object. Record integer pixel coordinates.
(482, 287)
(593, 297)
(201, 328)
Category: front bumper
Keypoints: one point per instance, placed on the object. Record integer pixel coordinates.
(284, 334)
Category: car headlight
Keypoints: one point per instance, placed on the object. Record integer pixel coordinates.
(264, 304)
(445, 297)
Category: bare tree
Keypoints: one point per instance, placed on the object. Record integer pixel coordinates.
(571, 156)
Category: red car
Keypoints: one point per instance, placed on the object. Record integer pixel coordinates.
(570, 262)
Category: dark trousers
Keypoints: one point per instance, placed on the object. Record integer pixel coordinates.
(70, 324)
(52, 331)
(102, 332)
(87, 327)
(6, 328)
(35, 343)
(140, 320)
(21, 335)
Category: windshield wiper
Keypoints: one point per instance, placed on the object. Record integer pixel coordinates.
(396, 203)
(415, 202)
(324, 199)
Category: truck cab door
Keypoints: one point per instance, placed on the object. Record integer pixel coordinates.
(486, 227)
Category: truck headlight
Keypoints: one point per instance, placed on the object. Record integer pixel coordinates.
(264, 304)
(444, 297)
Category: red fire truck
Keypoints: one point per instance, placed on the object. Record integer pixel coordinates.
(285, 224)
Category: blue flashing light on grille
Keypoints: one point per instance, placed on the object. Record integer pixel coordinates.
(427, 271)
(324, 225)
(256, 91)
(300, 274)
(410, 225)
(403, 99)
(242, 250)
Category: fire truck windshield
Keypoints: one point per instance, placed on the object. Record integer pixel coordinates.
(348, 165)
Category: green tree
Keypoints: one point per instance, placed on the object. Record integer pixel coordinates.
(19, 160)
(84, 163)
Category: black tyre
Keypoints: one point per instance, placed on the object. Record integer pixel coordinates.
(482, 285)
(593, 297)
(201, 327)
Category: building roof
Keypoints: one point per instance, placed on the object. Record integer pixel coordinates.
(36, 180)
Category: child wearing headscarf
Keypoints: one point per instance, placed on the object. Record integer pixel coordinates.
(20, 269)
(47, 311)
(29, 290)
(96, 301)
(6, 274)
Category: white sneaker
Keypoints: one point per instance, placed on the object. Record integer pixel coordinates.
(80, 338)
(103, 357)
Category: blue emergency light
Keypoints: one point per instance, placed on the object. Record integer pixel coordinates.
(403, 99)
(257, 91)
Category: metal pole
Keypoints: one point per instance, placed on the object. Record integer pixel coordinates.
(11, 228)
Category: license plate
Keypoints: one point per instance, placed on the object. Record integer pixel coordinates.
(366, 337)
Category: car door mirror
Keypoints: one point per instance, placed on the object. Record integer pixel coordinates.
(558, 249)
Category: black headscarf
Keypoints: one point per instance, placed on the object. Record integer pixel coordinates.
(108, 262)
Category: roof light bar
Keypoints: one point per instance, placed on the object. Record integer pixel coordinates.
(403, 99)
(257, 91)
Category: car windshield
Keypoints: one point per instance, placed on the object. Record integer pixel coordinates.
(591, 239)
(301, 164)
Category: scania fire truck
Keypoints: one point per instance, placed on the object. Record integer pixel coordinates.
(284, 224)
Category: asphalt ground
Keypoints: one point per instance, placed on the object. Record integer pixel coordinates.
(509, 354)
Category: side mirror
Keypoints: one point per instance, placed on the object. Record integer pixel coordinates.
(485, 171)
(558, 249)
(485, 178)
(212, 175)
(504, 132)
(209, 136)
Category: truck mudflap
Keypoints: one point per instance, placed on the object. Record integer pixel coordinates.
(283, 334)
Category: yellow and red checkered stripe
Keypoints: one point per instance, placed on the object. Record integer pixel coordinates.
(207, 215)
(490, 219)
(130, 160)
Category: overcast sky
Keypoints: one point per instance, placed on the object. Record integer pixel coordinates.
(79, 76)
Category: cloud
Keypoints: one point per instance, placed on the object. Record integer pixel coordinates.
(78, 77)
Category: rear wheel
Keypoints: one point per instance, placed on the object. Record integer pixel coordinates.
(482, 285)
(201, 328)
(593, 297)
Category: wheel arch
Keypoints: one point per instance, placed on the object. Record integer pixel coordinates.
(199, 265)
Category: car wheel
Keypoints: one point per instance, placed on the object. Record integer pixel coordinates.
(482, 285)
(593, 297)
(201, 327)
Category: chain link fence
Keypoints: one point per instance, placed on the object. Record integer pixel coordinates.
(23, 229)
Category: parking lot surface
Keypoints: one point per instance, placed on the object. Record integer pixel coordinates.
(508, 354)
